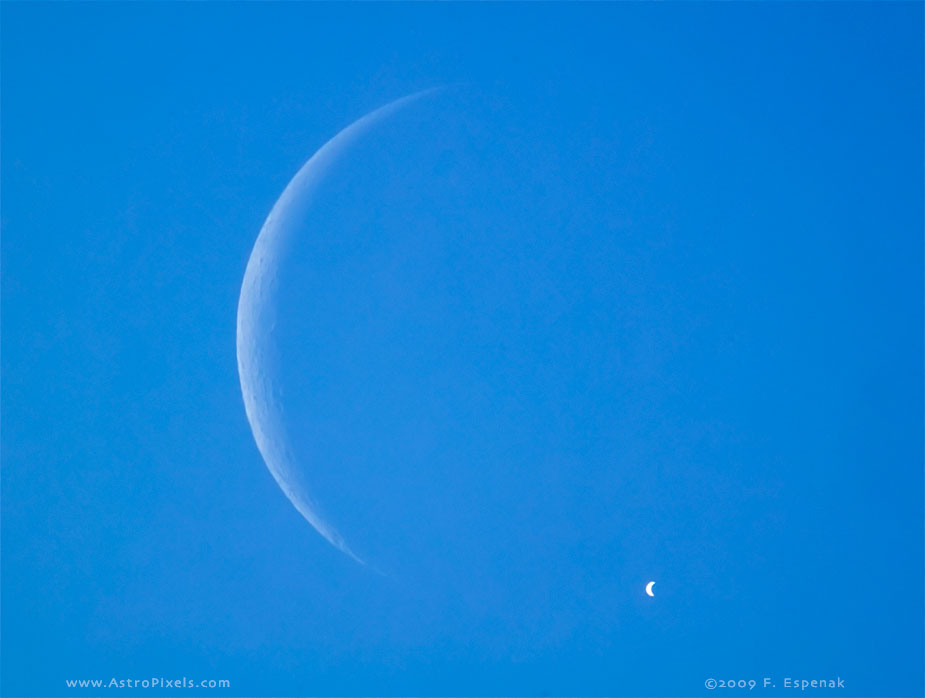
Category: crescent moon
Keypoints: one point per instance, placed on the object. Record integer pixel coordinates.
(649, 588)
(257, 352)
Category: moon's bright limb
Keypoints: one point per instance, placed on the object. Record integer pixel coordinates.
(649, 587)
(257, 317)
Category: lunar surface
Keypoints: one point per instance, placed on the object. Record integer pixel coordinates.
(258, 359)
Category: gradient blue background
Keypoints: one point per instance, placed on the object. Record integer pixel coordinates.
(765, 163)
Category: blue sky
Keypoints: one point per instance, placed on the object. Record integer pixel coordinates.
(638, 298)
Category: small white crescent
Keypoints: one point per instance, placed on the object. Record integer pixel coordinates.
(649, 588)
